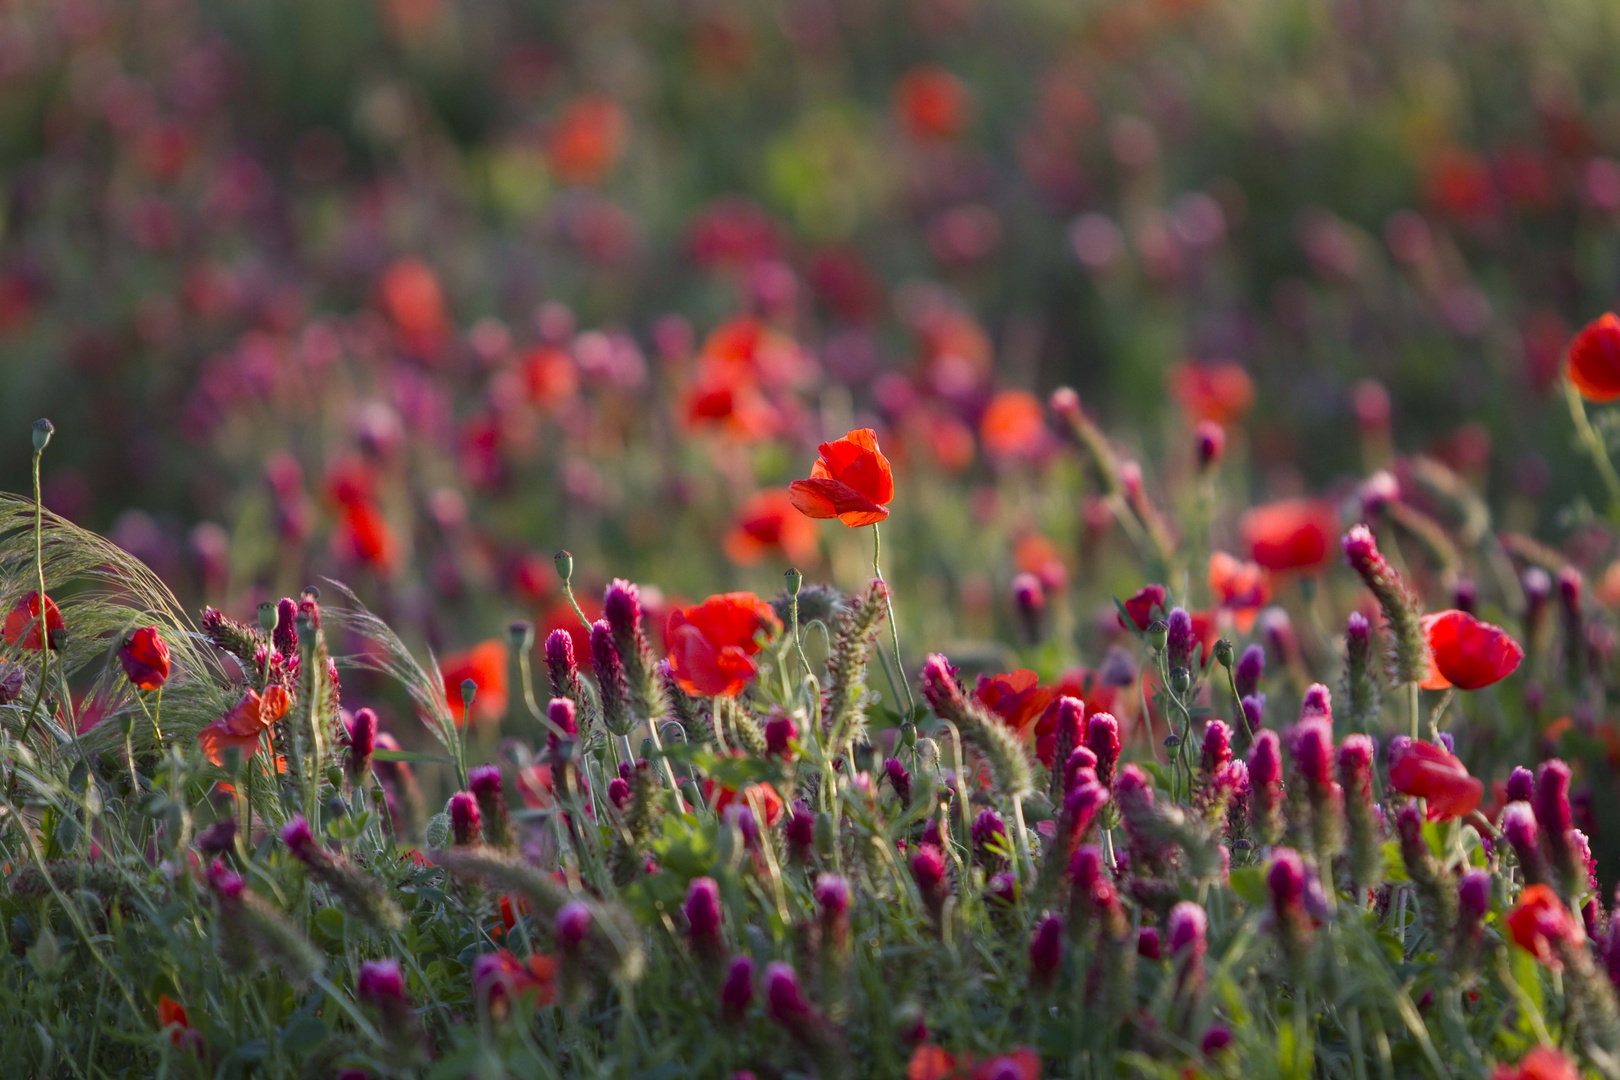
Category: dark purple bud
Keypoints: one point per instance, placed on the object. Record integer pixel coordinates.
(1188, 928)
(1551, 800)
(1046, 951)
(780, 733)
(621, 608)
(1217, 749)
(703, 914)
(1474, 895)
(1216, 1040)
(382, 983)
(1250, 667)
(1265, 760)
(573, 925)
(737, 992)
(1313, 752)
(218, 838)
(465, 819)
(1464, 596)
(1148, 946)
(1286, 881)
(1209, 443)
(1179, 639)
(899, 779)
(362, 745)
(1102, 739)
(1002, 888)
(988, 827)
(1521, 785)
(561, 666)
(801, 830)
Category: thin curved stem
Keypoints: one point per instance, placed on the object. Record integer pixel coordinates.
(1590, 440)
(894, 630)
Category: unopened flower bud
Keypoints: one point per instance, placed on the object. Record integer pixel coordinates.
(1250, 667)
(1209, 442)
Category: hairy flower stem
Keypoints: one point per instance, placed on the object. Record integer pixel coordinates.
(894, 630)
(44, 621)
(1413, 691)
(1590, 440)
(1242, 716)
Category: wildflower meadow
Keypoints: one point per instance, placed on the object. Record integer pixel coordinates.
(929, 539)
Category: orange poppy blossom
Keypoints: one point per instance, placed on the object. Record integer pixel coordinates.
(1467, 653)
(1013, 426)
(485, 665)
(769, 522)
(769, 801)
(364, 535)
(850, 481)
(1594, 360)
(930, 1062)
(410, 296)
(1540, 922)
(1292, 534)
(932, 103)
(498, 976)
(1238, 587)
(242, 725)
(1218, 390)
(172, 1018)
(1434, 774)
(22, 623)
(712, 644)
(587, 140)
(1035, 554)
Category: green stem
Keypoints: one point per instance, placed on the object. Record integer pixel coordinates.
(44, 622)
(1594, 446)
(1413, 696)
(894, 631)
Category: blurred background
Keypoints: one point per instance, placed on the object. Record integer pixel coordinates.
(414, 292)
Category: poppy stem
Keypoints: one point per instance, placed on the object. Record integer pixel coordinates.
(1412, 691)
(43, 628)
(1590, 439)
(894, 631)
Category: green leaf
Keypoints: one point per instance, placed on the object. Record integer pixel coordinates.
(330, 922)
(1249, 882)
(303, 1034)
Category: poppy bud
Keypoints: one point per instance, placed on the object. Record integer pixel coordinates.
(1065, 402)
(737, 991)
(564, 562)
(42, 431)
(1102, 739)
(465, 819)
(267, 616)
(795, 581)
(703, 914)
(145, 656)
(1250, 667)
(1223, 653)
(1046, 951)
(1158, 634)
(1209, 441)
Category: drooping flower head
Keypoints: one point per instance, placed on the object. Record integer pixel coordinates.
(22, 624)
(850, 481)
(712, 644)
(1467, 653)
(145, 657)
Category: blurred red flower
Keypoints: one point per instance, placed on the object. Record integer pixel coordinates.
(1541, 921)
(1081, 683)
(241, 726)
(145, 657)
(1467, 653)
(587, 140)
(1594, 359)
(1541, 1063)
(930, 1062)
(410, 296)
(1140, 608)
(712, 644)
(1238, 587)
(22, 623)
(770, 803)
(1293, 534)
(364, 535)
(1218, 390)
(551, 376)
(172, 1018)
(769, 522)
(1014, 425)
(485, 665)
(932, 103)
(1434, 774)
(1016, 698)
(1035, 554)
(850, 481)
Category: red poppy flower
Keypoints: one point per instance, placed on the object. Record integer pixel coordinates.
(1293, 534)
(1016, 698)
(769, 522)
(587, 140)
(1023, 1063)
(172, 1017)
(242, 725)
(22, 623)
(1467, 653)
(1432, 773)
(1218, 390)
(410, 296)
(364, 535)
(145, 657)
(499, 975)
(930, 1062)
(1081, 683)
(1238, 587)
(551, 377)
(1594, 360)
(731, 404)
(1541, 921)
(712, 644)
(1035, 554)
(932, 103)
(1140, 608)
(1014, 425)
(561, 616)
(770, 803)
(850, 481)
(1541, 1063)
(485, 665)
